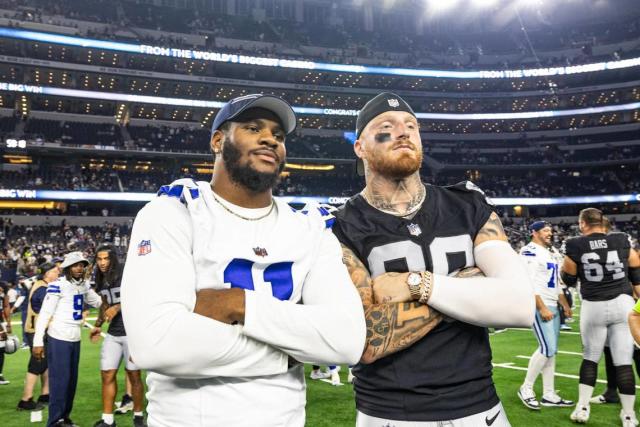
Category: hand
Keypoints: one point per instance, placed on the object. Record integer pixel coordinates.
(94, 335)
(111, 312)
(3, 335)
(223, 305)
(391, 288)
(546, 314)
(567, 311)
(9, 328)
(38, 353)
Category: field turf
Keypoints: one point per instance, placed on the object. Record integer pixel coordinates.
(329, 405)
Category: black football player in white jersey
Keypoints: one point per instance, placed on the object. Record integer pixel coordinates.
(414, 252)
(604, 264)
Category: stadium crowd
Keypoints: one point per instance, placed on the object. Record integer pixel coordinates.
(281, 36)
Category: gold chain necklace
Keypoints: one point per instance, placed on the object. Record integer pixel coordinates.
(240, 216)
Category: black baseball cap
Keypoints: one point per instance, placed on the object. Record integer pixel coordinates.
(237, 106)
(44, 267)
(386, 101)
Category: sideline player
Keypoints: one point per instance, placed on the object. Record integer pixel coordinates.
(114, 348)
(63, 306)
(49, 272)
(5, 326)
(427, 360)
(226, 289)
(541, 259)
(604, 263)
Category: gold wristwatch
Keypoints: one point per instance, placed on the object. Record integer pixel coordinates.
(414, 282)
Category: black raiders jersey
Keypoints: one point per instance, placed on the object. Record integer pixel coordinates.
(111, 292)
(447, 374)
(603, 262)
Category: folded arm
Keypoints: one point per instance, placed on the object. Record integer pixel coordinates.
(391, 327)
(504, 297)
(158, 298)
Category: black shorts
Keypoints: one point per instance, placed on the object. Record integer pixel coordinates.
(37, 367)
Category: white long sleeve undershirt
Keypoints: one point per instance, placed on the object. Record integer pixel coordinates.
(503, 298)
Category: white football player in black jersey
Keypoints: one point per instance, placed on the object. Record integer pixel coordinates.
(604, 263)
(427, 360)
(115, 348)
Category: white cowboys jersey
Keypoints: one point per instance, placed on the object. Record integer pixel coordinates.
(219, 374)
(543, 268)
(64, 305)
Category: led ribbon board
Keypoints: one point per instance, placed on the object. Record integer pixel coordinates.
(182, 102)
(310, 65)
(29, 194)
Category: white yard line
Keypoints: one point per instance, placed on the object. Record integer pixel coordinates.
(529, 329)
(557, 374)
(329, 381)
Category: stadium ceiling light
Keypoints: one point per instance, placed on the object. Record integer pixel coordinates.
(485, 3)
(439, 6)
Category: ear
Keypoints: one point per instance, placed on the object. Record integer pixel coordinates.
(217, 140)
(358, 148)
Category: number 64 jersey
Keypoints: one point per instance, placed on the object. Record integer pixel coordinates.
(603, 261)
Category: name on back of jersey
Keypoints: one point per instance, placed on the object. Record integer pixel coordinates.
(598, 244)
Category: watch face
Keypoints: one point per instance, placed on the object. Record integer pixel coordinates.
(414, 279)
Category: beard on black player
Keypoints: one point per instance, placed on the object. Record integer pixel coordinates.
(245, 174)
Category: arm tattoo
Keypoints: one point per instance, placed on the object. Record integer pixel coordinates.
(492, 230)
(103, 308)
(470, 272)
(390, 327)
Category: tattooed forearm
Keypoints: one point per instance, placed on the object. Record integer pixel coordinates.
(394, 327)
(359, 275)
(492, 230)
(390, 327)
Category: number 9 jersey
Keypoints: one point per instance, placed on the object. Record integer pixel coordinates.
(603, 261)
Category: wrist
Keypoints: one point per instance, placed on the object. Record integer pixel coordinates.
(426, 287)
(237, 315)
(414, 282)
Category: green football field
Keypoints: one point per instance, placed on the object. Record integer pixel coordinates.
(329, 405)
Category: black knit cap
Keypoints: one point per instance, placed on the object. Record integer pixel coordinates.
(386, 101)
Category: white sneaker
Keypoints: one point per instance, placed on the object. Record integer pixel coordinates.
(552, 399)
(628, 420)
(123, 409)
(581, 414)
(317, 374)
(528, 397)
(350, 377)
(335, 376)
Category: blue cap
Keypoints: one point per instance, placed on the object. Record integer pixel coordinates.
(538, 225)
(237, 106)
